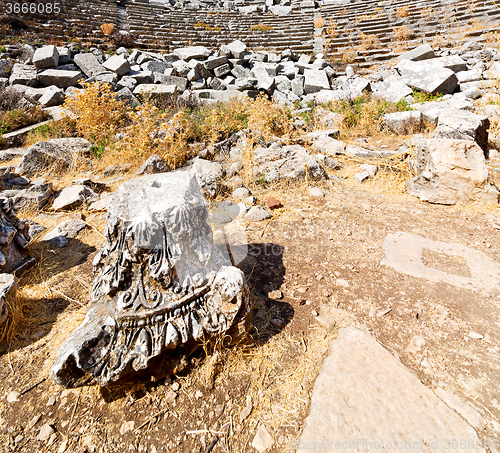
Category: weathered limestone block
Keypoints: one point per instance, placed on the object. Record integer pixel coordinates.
(448, 171)
(161, 285)
(14, 238)
(8, 294)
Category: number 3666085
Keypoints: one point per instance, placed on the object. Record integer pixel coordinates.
(33, 8)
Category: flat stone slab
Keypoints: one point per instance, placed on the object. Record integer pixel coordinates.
(365, 399)
(404, 251)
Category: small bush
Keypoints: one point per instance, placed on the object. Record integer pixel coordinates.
(107, 29)
(421, 97)
(368, 41)
(403, 33)
(98, 115)
(363, 115)
(404, 11)
(17, 112)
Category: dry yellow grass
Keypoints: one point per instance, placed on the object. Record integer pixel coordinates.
(368, 41)
(404, 11)
(107, 29)
(319, 22)
(403, 33)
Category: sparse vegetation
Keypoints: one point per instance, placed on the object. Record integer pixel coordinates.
(368, 41)
(207, 27)
(261, 28)
(363, 115)
(319, 22)
(402, 12)
(17, 112)
(107, 29)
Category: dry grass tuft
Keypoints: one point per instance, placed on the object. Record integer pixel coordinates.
(404, 11)
(368, 41)
(403, 33)
(107, 29)
(319, 22)
(261, 28)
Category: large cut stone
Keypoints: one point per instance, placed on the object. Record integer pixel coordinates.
(392, 89)
(423, 52)
(60, 78)
(427, 77)
(89, 64)
(196, 52)
(14, 239)
(23, 74)
(8, 294)
(448, 171)
(56, 155)
(46, 57)
(315, 80)
(236, 49)
(117, 64)
(161, 285)
(463, 125)
(291, 162)
(365, 399)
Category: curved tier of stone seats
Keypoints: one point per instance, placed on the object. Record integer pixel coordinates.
(76, 19)
(162, 28)
(428, 21)
(157, 26)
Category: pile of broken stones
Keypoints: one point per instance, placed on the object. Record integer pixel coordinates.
(160, 281)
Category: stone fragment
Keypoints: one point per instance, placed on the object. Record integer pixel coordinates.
(117, 64)
(62, 234)
(236, 48)
(463, 125)
(263, 440)
(52, 96)
(57, 155)
(273, 203)
(73, 197)
(328, 324)
(423, 52)
(46, 57)
(257, 213)
(188, 53)
(316, 192)
(363, 392)
(101, 204)
(45, 432)
(315, 80)
(450, 170)
(329, 146)
(160, 283)
(23, 75)
(13, 397)
(392, 89)
(8, 295)
(153, 164)
(127, 427)
(209, 175)
(34, 197)
(241, 193)
(59, 78)
(361, 176)
(150, 89)
(89, 64)
(427, 77)
(416, 344)
(285, 163)
(403, 122)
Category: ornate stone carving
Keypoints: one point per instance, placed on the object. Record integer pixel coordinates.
(160, 283)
